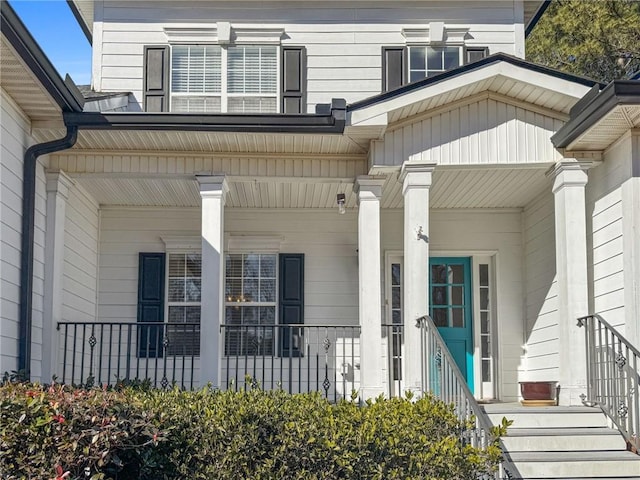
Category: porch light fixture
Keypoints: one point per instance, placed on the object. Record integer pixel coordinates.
(341, 199)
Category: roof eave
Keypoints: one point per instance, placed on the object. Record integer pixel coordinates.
(68, 99)
(618, 92)
(536, 17)
(80, 19)
(331, 123)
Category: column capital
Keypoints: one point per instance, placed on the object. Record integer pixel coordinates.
(213, 185)
(569, 172)
(59, 182)
(416, 175)
(368, 187)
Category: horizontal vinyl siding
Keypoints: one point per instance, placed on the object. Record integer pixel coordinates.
(487, 131)
(542, 332)
(605, 228)
(343, 39)
(328, 241)
(80, 257)
(15, 140)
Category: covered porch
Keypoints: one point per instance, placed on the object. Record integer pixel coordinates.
(456, 205)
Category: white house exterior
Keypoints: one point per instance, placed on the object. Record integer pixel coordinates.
(473, 191)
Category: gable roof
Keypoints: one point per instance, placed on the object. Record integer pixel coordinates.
(456, 72)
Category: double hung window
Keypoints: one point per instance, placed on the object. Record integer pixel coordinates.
(183, 303)
(250, 303)
(233, 79)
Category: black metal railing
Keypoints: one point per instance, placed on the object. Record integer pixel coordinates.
(97, 353)
(442, 378)
(613, 376)
(295, 358)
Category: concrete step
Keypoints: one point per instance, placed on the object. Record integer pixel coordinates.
(546, 417)
(563, 439)
(583, 465)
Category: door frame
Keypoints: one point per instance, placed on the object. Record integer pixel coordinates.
(483, 390)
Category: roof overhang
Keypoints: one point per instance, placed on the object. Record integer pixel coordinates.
(28, 76)
(83, 10)
(601, 117)
(503, 74)
(332, 122)
(533, 11)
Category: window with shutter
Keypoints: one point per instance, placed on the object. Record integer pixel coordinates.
(224, 79)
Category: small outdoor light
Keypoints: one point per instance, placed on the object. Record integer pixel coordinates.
(340, 199)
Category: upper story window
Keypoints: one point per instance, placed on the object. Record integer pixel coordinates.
(235, 79)
(426, 61)
(429, 50)
(247, 72)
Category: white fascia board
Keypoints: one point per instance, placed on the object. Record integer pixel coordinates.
(376, 113)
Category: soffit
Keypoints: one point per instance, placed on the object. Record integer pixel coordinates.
(452, 188)
(500, 84)
(20, 84)
(608, 129)
(499, 74)
(208, 142)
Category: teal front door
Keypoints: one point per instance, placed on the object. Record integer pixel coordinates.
(450, 308)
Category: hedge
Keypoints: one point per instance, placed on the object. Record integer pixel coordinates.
(59, 432)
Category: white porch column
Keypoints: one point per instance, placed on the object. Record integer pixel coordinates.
(416, 182)
(369, 191)
(213, 190)
(58, 184)
(570, 178)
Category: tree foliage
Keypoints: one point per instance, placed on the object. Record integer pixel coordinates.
(595, 38)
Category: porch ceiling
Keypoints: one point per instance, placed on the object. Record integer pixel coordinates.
(452, 188)
(20, 84)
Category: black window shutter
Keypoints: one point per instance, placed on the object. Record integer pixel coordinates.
(150, 303)
(394, 67)
(156, 78)
(473, 54)
(294, 80)
(291, 303)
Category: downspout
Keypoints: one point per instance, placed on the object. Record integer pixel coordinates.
(27, 248)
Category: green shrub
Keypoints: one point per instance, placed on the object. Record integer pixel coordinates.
(155, 434)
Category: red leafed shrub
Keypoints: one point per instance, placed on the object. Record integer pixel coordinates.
(61, 433)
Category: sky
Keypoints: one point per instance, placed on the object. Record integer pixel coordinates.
(57, 32)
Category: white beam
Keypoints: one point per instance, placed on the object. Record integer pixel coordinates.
(213, 190)
(570, 179)
(416, 182)
(58, 185)
(369, 191)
